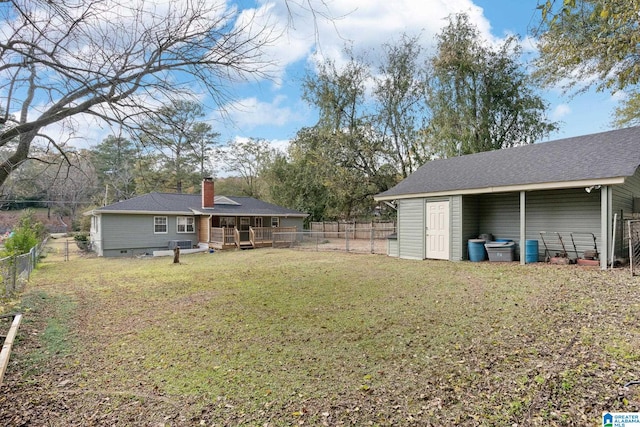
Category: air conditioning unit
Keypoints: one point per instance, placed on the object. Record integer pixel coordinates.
(182, 244)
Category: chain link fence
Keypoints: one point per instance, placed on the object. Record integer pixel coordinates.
(16, 270)
(633, 228)
(375, 241)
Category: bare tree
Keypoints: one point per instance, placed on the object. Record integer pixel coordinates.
(247, 159)
(114, 60)
(69, 183)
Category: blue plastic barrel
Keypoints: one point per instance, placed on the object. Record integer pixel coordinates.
(477, 251)
(531, 248)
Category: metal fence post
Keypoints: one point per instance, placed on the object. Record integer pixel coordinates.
(14, 271)
(372, 239)
(632, 248)
(346, 237)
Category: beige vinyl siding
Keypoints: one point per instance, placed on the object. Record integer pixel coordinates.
(124, 235)
(411, 228)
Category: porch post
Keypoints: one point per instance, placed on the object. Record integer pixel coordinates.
(605, 225)
(523, 227)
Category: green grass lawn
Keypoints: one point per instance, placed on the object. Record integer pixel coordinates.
(279, 337)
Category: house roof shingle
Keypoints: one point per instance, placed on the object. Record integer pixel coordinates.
(188, 204)
(611, 154)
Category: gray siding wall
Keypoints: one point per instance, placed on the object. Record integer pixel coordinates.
(457, 251)
(500, 215)
(289, 222)
(411, 228)
(564, 211)
(622, 197)
(127, 235)
(622, 204)
(392, 247)
(470, 222)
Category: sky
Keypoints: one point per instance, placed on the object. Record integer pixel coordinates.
(273, 109)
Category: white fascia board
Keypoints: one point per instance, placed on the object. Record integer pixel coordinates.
(196, 212)
(510, 188)
(157, 213)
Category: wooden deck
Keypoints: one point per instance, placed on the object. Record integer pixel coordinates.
(259, 237)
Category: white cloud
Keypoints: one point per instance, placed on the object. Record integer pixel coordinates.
(363, 24)
(560, 111)
(619, 96)
(250, 113)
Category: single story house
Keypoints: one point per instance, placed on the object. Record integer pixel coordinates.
(551, 192)
(162, 221)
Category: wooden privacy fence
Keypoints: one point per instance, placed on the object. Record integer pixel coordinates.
(354, 230)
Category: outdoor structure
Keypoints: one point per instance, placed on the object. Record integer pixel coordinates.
(163, 221)
(578, 187)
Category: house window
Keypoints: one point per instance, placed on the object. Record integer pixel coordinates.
(258, 221)
(227, 222)
(275, 221)
(160, 224)
(186, 224)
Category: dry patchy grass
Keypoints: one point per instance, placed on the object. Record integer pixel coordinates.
(278, 337)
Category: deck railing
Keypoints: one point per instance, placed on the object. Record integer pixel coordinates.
(236, 237)
(259, 236)
(224, 236)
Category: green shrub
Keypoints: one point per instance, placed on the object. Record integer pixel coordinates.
(82, 241)
(21, 241)
(26, 235)
(28, 220)
(81, 237)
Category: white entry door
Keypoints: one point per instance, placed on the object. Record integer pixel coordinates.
(438, 230)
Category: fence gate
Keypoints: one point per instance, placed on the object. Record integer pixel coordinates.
(634, 246)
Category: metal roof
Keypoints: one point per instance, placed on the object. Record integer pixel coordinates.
(606, 157)
(190, 204)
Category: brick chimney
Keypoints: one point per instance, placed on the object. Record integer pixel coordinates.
(207, 193)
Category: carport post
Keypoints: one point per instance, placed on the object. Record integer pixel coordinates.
(523, 227)
(605, 225)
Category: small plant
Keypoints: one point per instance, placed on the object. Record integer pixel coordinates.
(81, 237)
(25, 236)
(82, 241)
